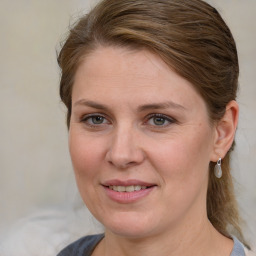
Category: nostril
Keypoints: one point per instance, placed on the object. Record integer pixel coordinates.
(122, 165)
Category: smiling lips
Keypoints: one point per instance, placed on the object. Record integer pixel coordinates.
(127, 188)
(127, 191)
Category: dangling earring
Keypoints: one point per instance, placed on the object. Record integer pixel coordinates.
(217, 169)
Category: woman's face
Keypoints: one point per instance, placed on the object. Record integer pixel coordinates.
(140, 142)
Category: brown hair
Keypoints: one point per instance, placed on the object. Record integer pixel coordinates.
(192, 38)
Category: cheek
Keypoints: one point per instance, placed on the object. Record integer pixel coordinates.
(183, 167)
(185, 157)
(86, 154)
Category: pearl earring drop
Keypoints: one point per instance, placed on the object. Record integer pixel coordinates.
(217, 169)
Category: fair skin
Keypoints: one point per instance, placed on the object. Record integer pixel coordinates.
(138, 126)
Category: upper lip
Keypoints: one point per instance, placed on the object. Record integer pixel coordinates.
(130, 182)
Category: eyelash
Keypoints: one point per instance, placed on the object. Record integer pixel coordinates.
(85, 119)
(161, 116)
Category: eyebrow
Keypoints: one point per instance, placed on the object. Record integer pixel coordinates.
(151, 106)
(91, 104)
(162, 105)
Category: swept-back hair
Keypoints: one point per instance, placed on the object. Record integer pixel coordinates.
(191, 38)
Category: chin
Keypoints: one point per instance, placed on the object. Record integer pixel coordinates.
(130, 225)
(132, 232)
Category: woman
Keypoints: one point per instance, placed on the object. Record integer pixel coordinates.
(150, 88)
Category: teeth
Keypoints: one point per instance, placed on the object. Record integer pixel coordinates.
(127, 188)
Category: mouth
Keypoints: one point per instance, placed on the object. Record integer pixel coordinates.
(128, 189)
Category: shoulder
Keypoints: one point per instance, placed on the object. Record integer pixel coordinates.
(83, 246)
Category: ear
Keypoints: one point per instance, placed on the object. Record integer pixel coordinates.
(225, 131)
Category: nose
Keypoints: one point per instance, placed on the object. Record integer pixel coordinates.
(125, 150)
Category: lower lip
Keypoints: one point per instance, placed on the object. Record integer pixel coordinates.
(128, 197)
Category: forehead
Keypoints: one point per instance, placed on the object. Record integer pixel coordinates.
(120, 61)
(109, 72)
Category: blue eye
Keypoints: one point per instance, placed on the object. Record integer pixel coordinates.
(97, 119)
(94, 120)
(159, 120)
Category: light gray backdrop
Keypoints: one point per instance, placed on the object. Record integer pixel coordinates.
(35, 169)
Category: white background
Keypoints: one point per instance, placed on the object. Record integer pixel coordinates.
(35, 168)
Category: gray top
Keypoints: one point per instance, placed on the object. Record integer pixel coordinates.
(85, 246)
(238, 249)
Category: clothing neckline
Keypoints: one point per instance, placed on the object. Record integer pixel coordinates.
(237, 250)
(86, 245)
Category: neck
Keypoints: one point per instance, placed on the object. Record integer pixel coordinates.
(201, 239)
